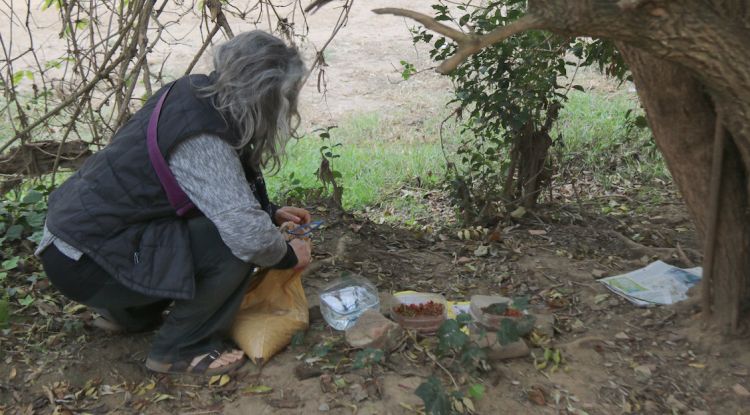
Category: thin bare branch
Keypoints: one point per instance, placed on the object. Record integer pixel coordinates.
(205, 44)
(427, 22)
(467, 44)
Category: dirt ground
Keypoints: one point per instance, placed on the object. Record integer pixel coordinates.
(617, 358)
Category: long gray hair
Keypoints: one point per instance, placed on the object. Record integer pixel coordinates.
(256, 84)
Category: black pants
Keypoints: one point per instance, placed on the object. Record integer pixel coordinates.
(192, 326)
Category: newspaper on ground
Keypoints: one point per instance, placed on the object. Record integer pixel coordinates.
(656, 284)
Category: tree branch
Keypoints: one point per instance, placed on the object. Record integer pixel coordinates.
(467, 44)
(427, 22)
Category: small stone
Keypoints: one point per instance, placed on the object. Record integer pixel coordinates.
(358, 392)
(643, 373)
(373, 330)
(304, 371)
(545, 324)
(578, 326)
(613, 302)
(622, 336)
(651, 407)
(740, 390)
(324, 407)
(597, 273)
(674, 404)
(463, 260)
(676, 338)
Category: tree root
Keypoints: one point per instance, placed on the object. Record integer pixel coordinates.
(663, 253)
(340, 253)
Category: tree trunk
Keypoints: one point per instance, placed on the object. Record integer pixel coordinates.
(689, 59)
(682, 118)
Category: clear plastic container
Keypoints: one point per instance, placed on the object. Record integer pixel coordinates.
(422, 324)
(345, 299)
(487, 320)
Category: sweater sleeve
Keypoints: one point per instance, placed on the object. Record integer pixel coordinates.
(209, 171)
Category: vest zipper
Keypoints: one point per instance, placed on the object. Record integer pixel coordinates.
(137, 245)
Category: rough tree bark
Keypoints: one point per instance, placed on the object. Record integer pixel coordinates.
(690, 61)
(682, 118)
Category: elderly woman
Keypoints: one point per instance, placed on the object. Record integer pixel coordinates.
(174, 211)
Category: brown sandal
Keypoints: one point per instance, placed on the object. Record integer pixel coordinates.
(200, 368)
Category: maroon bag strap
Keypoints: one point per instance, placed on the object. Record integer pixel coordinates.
(177, 197)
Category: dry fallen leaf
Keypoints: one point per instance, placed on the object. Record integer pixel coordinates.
(258, 389)
(463, 260)
(537, 232)
(12, 374)
(740, 390)
(163, 397)
(536, 396)
(482, 250)
(219, 380)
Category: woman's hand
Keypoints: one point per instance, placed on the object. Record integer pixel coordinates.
(292, 214)
(302, 251)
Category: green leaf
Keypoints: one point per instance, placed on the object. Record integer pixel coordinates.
(436, 402)
(32, 197)
(320, 350)
(3, 275)
(82, 24)
(35, 220)
(366, 357)
(17, 77)
(36, 237)
(520, 303)
(508, 332)
(450, 336)
(14, 233)
(4, 312)
(476, 391)
(497, 309)
(463, 319)
(298, 339)
(10, 264)
(26, 301)
(48, 3)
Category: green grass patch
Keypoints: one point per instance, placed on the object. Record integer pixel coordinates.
(377, 157)
(600, 134)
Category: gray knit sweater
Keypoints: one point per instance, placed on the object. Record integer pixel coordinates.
(209, 171)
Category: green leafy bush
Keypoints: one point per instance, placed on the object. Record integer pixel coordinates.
(509, 96)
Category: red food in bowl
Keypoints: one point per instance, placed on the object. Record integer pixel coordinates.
(429, 308)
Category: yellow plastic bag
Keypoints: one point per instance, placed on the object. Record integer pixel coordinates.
(273, 310)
